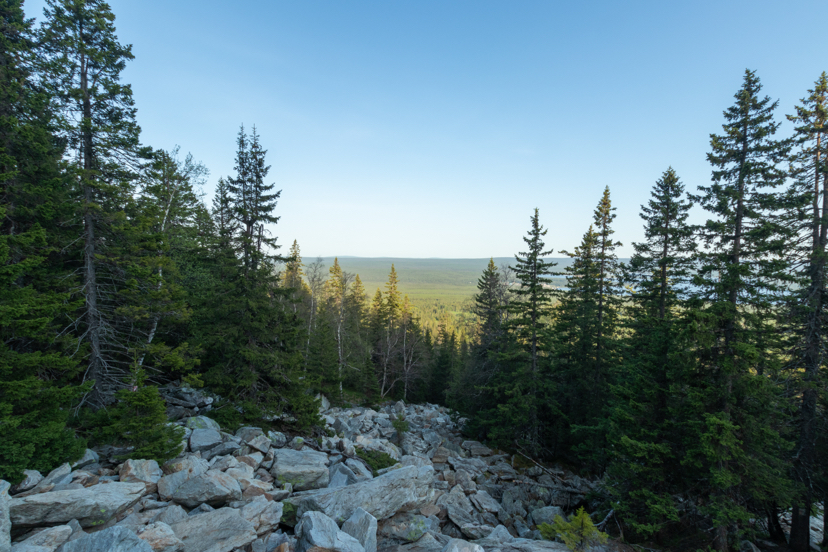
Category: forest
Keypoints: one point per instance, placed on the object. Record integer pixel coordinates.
(693, 376)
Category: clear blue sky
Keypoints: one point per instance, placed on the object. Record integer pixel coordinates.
(433, 128)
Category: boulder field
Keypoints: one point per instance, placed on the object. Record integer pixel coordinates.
(258, 491)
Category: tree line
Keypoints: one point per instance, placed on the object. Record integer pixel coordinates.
(693, 375)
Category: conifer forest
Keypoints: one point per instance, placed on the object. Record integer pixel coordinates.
(691, 378)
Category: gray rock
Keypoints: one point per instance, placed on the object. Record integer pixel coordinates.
(171, 515)
(182, 471)
(5, 522)
(30, 479)
(161, 538)
(464, 479)
(460, 510)
(297, 443)
(114, 539)
(222, 449)
(204, 439)
(91, 506)
(303, 469)
(476, 531)
(546, 515)
(47, 539)
(341, 475)
(360, 470)
(476, 449)
(260, 443)
(527, 545)
(89, 457)
(406, 526)
(58, 476)
(265, 515)
(213, 487)
(201, 509)
(459, 545)
(223, 462)
(484, 502)
(201, 422)
(248, 433)
(316, 530)
(401, 490)
(363, 527)
(277, 438)
(499, 536)
(219, 531)
(141, 471)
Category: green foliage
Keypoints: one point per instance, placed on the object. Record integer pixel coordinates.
(139, 420)
(375, 459)
(401, 425)
(578, 534)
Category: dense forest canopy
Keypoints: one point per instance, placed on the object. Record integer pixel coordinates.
(693, 375)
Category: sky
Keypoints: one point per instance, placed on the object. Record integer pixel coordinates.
(434, 128)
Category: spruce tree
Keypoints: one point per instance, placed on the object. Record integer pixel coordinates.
(645, 460)
(730, 417)
(525, 404)
(809, 211)
(36, 364)
(83, 65)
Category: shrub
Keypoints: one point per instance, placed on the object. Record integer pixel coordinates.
(376, 460)
(578, 534)
(140, 420)
(401, 425)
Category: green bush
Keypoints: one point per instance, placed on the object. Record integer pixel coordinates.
(401, 425)
(140, 420)
(578, 534)
(376, 460)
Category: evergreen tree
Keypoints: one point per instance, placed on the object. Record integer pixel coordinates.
(730, 418)
(810, 218)
(586, 329)
(36, 366)
(645, 459)
(83, 64)
(525, 405)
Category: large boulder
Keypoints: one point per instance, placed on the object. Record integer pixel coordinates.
(404, 489)
(407, 526)
(460, 510)
(181, 471)
(204, 439)
(213, 487)
(546, 515)
(221, 530)
(114, 539)
(91, 506)
(141, 471)
(48, 539)
(161, 538)
(201, 422)
(363, 527)
(264, 514)
(316, 530)
(304, 469)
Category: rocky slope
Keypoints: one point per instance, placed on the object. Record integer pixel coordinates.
(259, 491)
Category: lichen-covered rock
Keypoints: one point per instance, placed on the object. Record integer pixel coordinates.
(306, 469)
(201, 422)
(204, 439)
(221, 530)
(90, 506)
(406, 526)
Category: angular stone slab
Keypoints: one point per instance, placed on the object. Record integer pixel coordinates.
(91, 506)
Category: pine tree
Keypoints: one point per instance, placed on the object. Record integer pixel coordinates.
(810, 218)
(730, 411)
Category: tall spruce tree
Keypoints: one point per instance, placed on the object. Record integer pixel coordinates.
(586, 331)
(525, 407)
(645, 459)
(731, 418)
(809, 192)
(83, 65)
